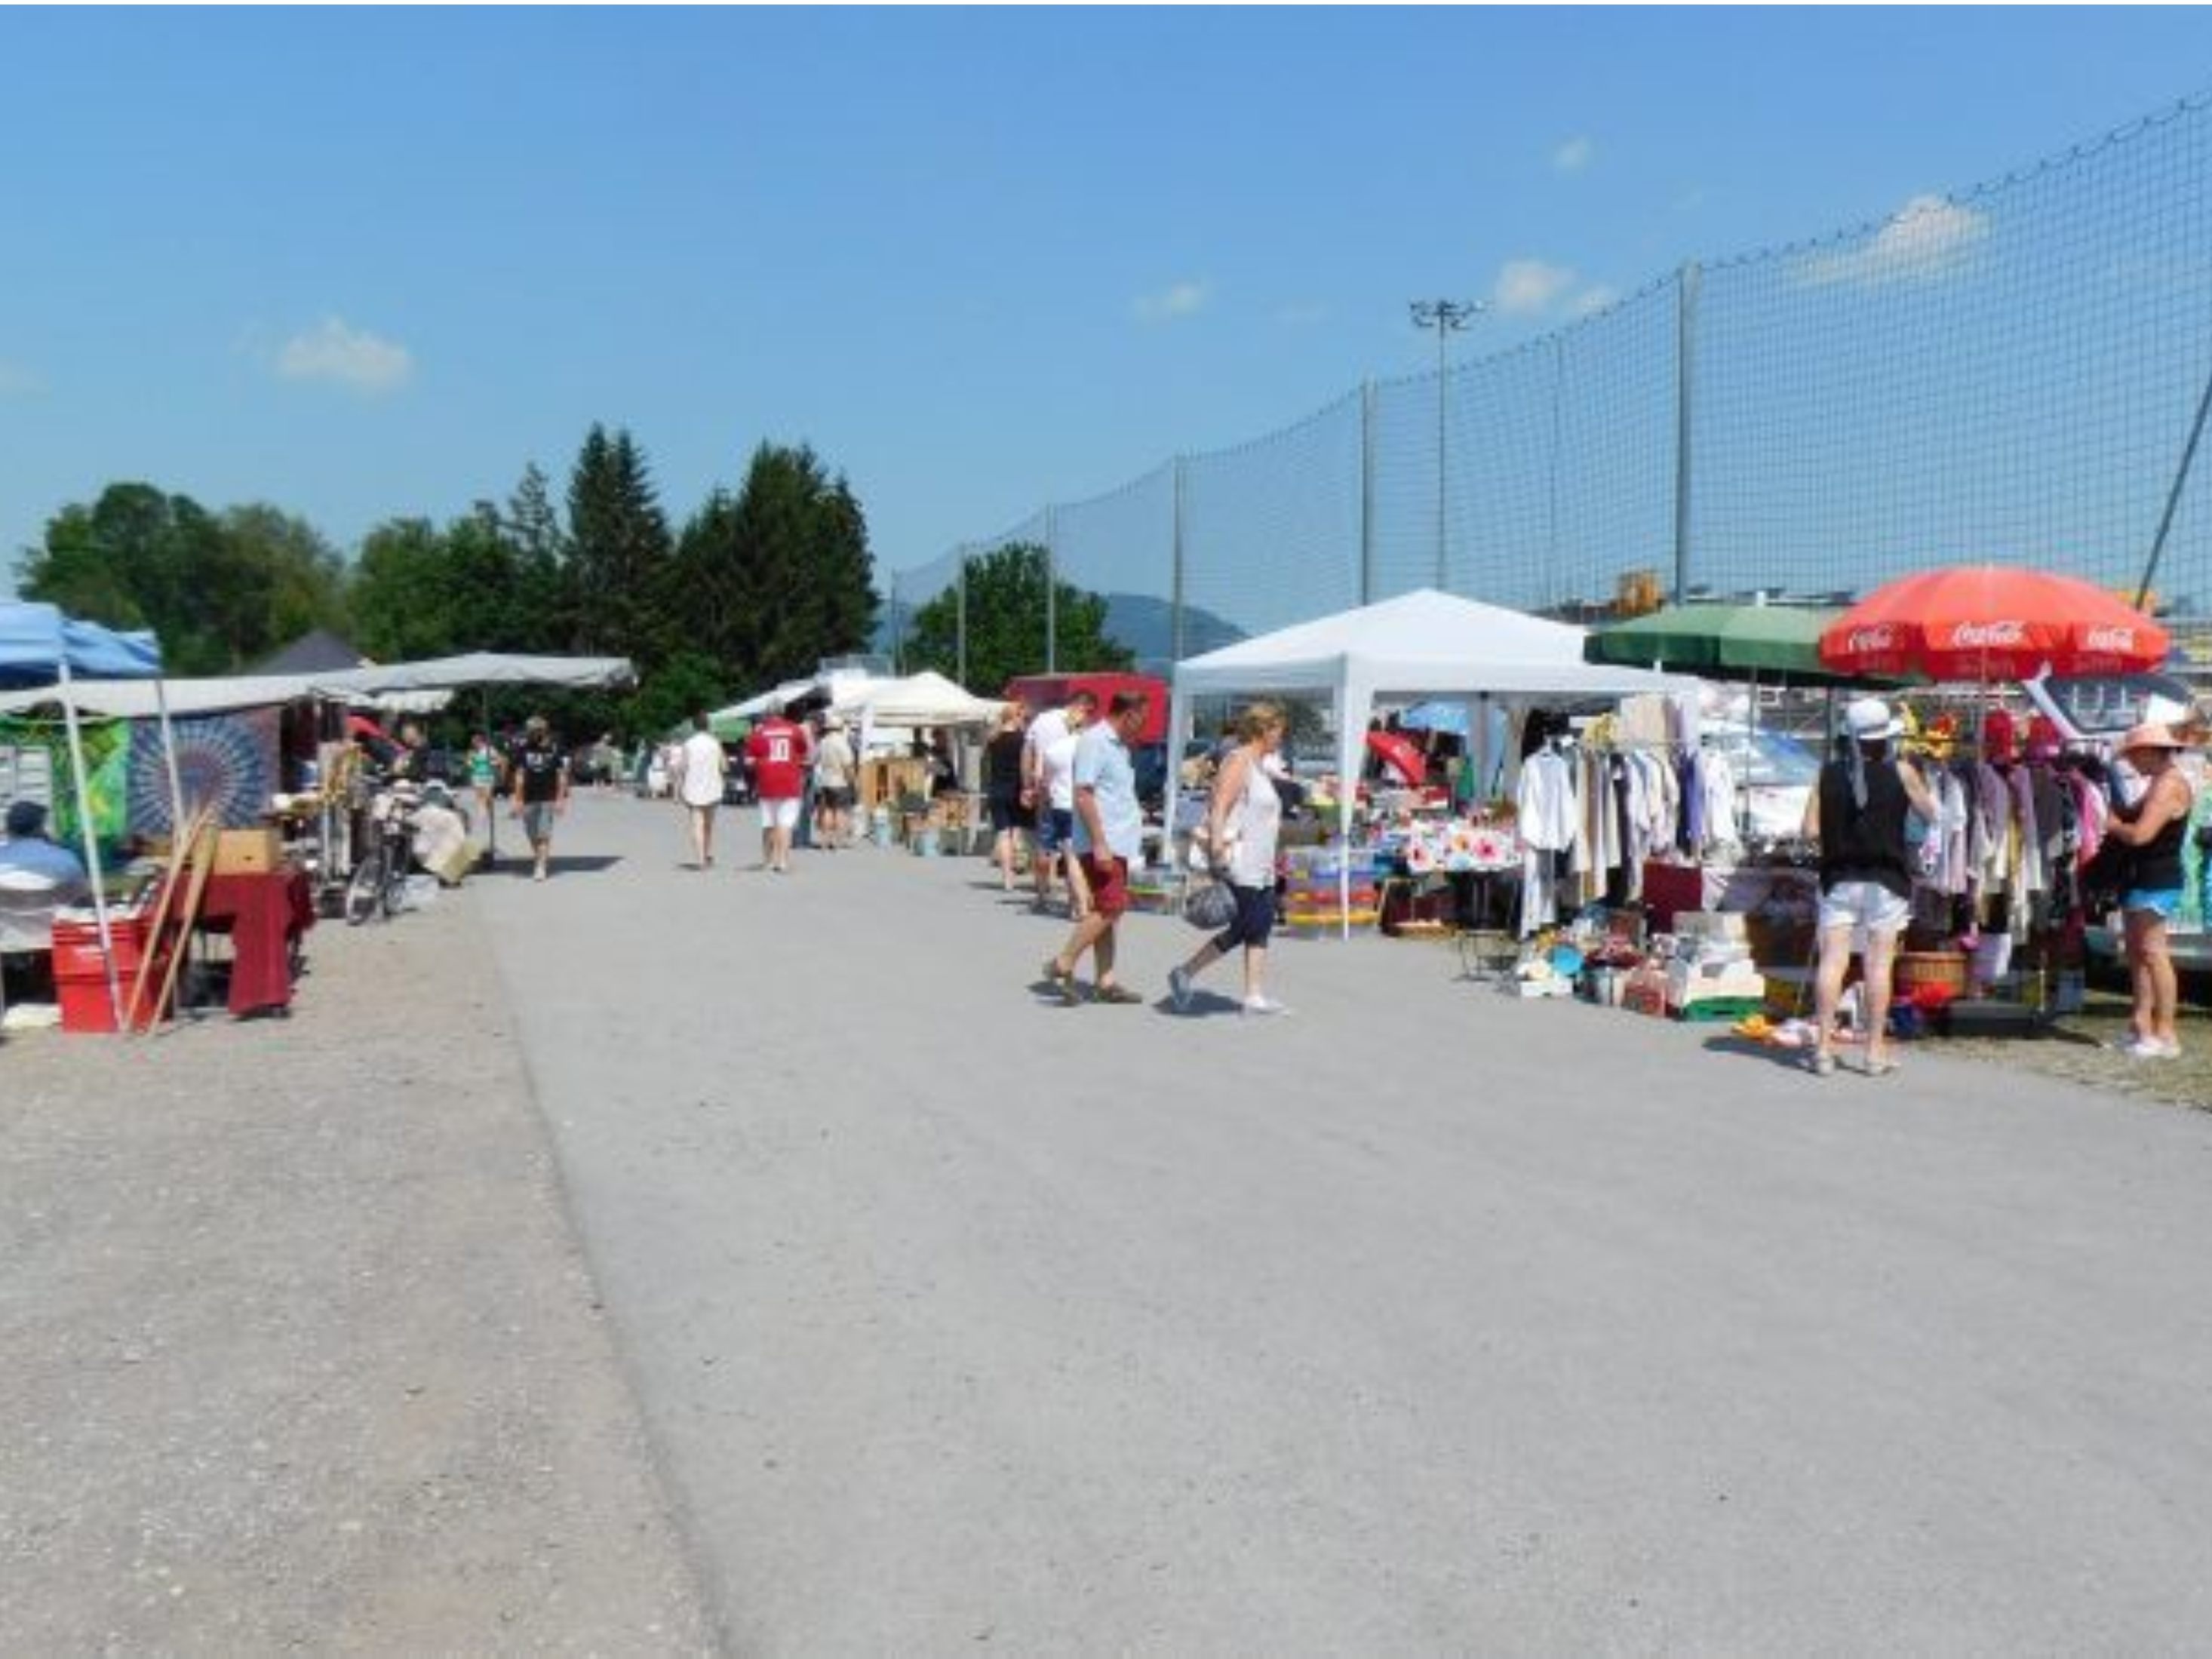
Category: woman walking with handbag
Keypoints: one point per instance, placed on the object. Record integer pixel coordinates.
(1241, 822)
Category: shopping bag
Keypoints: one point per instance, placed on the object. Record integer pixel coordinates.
(1209, 906)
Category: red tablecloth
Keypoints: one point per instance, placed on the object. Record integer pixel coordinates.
(262, 915)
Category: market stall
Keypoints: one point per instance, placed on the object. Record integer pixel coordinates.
(1421, 647)
(41, 647)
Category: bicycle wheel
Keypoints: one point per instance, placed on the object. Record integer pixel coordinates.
(364, 889)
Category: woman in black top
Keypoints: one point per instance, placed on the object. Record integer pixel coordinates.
(1857, 814)
(1002, 787)
(2154, 827)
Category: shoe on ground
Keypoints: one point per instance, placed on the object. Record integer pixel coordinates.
(1260, 1007)
(1116, 993)
(1063, 982)
(1179, 989)
(2151, 1049)
(1820, 1064)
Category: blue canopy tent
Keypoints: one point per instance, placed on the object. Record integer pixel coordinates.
(39, 646)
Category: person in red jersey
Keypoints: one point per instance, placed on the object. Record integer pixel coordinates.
(779, 754)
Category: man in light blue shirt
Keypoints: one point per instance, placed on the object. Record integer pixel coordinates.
(1110, 829)
(28, 851)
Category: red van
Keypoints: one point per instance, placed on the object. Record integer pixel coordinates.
(1042, 691)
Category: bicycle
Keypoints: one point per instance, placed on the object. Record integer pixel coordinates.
(378, 885)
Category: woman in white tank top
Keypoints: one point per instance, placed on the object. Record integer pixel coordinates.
(1242, 825)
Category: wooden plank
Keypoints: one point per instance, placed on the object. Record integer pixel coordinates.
(184, 838)
(204, 849)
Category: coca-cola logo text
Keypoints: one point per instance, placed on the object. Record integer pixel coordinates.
(1987, 637)
(1882, 637)
(2111, 637)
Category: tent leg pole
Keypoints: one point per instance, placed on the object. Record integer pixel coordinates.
(92, 850)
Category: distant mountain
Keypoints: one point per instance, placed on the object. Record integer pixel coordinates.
(1145, 624)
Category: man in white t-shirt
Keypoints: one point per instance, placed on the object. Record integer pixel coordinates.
(701, 766)
(835, 771)
(1049, 790)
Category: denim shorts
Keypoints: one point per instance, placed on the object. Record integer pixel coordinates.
(2164, 903)
(1055, 828)
(1866, 908)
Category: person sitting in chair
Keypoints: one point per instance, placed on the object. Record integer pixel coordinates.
(29, 852)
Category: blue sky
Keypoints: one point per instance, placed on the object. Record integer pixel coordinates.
(366, 264)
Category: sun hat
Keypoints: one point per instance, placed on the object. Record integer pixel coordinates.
(2151, 734)
(1869, 720)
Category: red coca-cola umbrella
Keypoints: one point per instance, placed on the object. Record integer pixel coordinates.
(1989, 622)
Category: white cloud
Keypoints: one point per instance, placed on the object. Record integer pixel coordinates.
(1528, 287)
(16, 381)
(351, 357)
(1927, 238)
(1185, 299)
(1577, 152)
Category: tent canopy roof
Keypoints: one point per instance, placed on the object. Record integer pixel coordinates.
(923, 699)
(406, 687)
(1417, 644)
(37, 640)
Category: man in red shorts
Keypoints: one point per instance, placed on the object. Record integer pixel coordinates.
(779, 754)
(1110, 831)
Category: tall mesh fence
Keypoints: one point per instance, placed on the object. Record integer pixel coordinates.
(2010, 373)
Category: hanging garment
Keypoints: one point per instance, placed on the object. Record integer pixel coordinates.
(1716, 789)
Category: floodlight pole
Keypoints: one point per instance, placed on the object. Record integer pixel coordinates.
(1448, 318)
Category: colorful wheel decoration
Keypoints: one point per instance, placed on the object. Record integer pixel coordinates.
(229, 760)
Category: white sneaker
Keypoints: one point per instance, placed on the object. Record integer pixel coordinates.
(1263, 1005)
(1179, 989)
(2152, 1049)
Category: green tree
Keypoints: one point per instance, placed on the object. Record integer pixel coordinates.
(533, 523)
(219, 592)
(779, 576)
(402, 597)
(1005, 611)
(621, 554)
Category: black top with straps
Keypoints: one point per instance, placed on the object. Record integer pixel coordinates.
(1864, 843)
(2157, 860)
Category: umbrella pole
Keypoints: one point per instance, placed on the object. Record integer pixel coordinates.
(169, 759)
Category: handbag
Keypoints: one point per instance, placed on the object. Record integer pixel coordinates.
(1209, 907)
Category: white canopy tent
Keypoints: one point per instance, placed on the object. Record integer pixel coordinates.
(923, 699)
(1424, 644)
(140, 699)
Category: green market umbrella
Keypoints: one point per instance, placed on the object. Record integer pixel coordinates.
(1721, 642)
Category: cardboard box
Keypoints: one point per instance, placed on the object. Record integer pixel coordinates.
(248, 852)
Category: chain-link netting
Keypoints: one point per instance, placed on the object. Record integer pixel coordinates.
(1121, 545)
(2010, 373)
(1271, 529)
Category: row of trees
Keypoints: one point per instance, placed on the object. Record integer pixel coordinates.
(757, 586)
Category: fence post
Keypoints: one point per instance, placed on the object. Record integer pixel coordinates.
(1051, 591)
(960, 637)
(1367, 492)
(1685, 364)
(1177, 644)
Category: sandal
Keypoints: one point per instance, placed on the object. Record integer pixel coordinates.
(1063, 982)
(1121, 994)
(1820, 1064)
(1885, 1066)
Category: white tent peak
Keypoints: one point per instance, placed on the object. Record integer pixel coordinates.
(1422, 625)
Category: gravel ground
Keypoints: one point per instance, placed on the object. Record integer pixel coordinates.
(297, 1348)
(2079, 1049)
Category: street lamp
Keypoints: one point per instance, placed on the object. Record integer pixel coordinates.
(1448, 318)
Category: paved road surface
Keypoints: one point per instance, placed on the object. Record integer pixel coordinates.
(1420, 1322)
